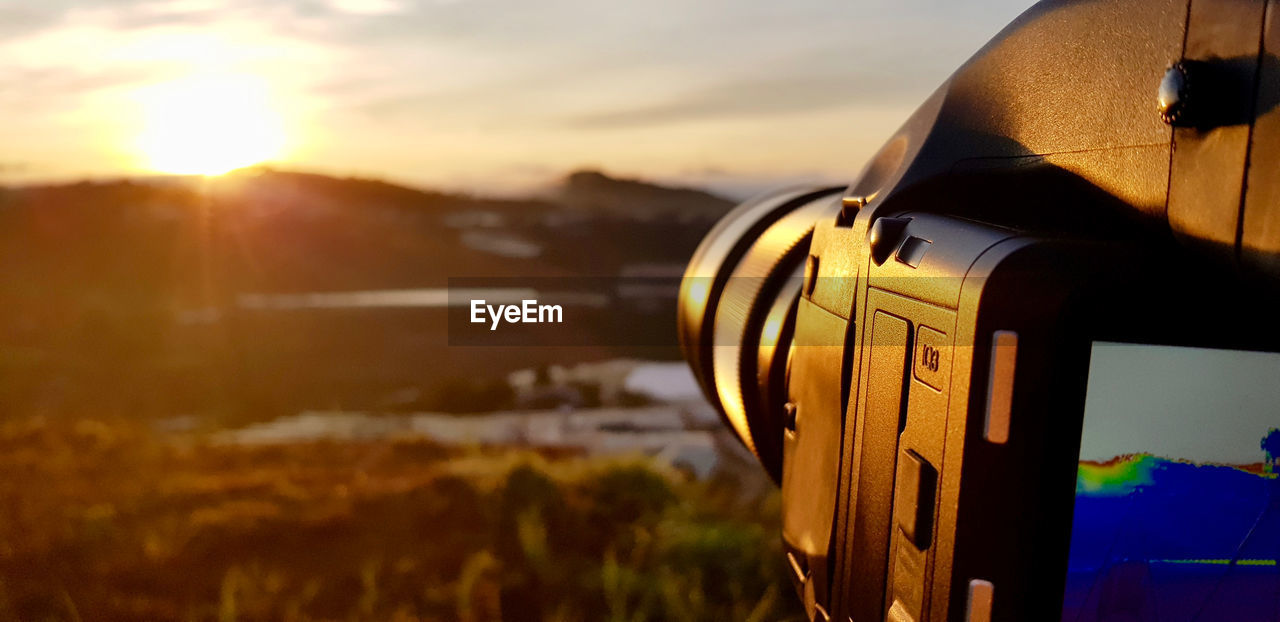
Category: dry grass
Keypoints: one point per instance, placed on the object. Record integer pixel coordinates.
(108, 521)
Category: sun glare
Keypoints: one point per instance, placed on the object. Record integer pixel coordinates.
(209, 124)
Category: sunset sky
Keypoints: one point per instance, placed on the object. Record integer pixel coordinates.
(493, 96)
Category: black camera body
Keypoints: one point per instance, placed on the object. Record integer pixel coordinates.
(909, 356)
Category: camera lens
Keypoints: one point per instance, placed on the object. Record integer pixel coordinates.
(737, 311)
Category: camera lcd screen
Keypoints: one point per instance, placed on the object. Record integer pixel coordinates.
(1177, 507)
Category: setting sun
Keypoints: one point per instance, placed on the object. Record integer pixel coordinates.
(208, 124)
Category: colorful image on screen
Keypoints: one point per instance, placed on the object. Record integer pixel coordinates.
(1177, 511)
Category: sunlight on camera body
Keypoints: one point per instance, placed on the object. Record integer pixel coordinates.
(1022, 368)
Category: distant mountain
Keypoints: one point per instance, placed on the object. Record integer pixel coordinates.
(268, 230)
(135, 290)
(593, 189)
(275, 185)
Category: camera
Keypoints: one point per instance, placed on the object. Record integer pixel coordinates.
(1025, 366)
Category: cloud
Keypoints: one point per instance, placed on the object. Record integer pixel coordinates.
(754, 98)
(497, 81)
(367, 7)
(20, 20)
(48, 90)
(31, 18)
(14, 167)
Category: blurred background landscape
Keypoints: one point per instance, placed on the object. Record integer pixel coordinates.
(228, 230)
(234, 398)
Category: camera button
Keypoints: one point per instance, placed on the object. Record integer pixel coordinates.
(1004, 358)
(810, 275)
(884, 237)
(912, 251)
(849, 208)
(917, 484)
(981, 595)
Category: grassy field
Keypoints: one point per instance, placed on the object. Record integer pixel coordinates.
(109, 520)
(120, 313)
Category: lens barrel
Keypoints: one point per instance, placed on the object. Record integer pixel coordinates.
(737, 311)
